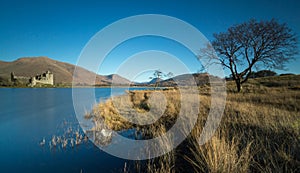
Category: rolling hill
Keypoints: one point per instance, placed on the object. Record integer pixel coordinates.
(63, 72)
(182, 80)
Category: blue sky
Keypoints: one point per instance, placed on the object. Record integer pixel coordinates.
(61, 29)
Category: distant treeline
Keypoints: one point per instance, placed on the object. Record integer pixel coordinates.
(263, 73)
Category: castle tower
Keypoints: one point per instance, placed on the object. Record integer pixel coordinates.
(12, 77)
(32, 81)
(51, 79)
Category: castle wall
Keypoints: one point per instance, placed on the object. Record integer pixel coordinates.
(45, 78)
(23, 80)
(20, 79)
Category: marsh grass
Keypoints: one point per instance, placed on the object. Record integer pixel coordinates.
(259, 131)
(220, 155)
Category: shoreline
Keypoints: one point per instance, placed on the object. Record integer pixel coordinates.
(120, 86)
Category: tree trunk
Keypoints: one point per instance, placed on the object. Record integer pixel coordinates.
(238, 85)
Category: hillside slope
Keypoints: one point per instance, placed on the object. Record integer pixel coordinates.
(63, 72)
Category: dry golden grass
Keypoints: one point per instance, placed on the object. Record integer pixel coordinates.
(259, 131)
(220, 155)
(119, 112)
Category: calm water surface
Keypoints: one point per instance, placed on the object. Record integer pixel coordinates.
(29, 115)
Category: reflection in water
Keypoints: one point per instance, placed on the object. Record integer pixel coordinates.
(69, 138)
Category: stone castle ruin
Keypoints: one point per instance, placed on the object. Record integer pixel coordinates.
(45, 78)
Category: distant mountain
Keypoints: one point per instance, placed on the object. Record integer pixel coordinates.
(154, 81)
(188, 79)
(185, 79)
(182, 80)
(151, 82)
(63, 72)
(117, 79)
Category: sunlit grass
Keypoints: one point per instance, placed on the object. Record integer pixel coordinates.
(259, 131)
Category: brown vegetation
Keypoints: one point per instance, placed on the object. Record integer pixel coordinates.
(259, 131)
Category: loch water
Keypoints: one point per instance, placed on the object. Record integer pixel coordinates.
(30, 114)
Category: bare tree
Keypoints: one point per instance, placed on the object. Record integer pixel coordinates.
(252, 44)
(158, 75)
(170, 75)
